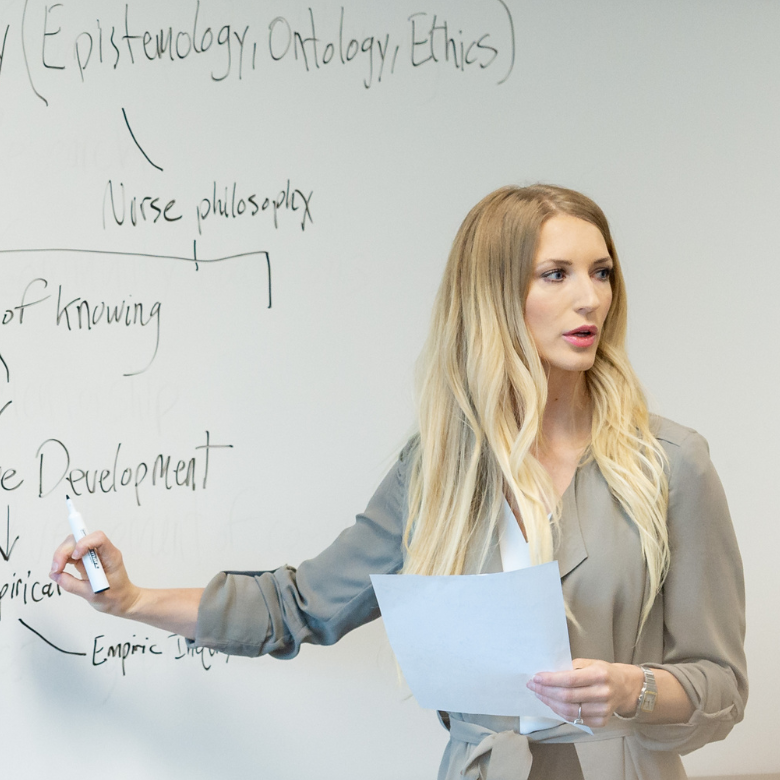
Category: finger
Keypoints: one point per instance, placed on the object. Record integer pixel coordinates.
(553, 704)
(62, 555)
(110, 556)
(568, 711)
(81, 568)
(581, 663)
(572, 678)
(97, 541)
(71, 584)
(592, 693)
(595, 715)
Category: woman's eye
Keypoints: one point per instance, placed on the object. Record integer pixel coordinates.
(604, 274)
(556, 275)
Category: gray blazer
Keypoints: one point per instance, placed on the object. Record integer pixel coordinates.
(695, 630)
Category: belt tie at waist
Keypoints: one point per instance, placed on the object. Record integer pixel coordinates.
(499, 755)
(506, 755)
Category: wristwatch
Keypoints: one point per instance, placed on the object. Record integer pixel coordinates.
(647, 696)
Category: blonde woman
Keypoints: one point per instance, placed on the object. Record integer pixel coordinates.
(532, 428)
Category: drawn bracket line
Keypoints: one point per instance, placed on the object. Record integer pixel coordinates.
(132, 135)
(196, 260)
(39, 634)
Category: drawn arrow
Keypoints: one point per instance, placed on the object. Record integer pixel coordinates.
(9, 547)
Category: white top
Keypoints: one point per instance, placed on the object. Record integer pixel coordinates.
(515, 554)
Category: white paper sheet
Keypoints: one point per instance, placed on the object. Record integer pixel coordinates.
(470, 643)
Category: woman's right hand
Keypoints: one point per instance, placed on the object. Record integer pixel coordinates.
(172, 609)
(121, 596)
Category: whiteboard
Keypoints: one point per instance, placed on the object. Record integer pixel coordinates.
(222, 226)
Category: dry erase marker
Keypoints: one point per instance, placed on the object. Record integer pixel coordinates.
(97, 577)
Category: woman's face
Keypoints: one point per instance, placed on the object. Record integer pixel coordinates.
(570, 293)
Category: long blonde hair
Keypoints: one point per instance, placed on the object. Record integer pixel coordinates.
(482, 390)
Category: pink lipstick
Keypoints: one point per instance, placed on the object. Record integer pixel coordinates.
(582, 337)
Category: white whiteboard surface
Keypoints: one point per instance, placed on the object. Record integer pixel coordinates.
(666, 113)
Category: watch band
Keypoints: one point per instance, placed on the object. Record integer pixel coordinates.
(647, 696)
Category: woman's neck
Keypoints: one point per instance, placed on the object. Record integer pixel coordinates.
(568, 412)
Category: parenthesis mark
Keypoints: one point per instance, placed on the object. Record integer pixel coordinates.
(132, 135)
(7, 374)
(512, 30)
(2, 48)
(26, 62)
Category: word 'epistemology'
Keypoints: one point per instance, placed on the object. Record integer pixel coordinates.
(307, 40)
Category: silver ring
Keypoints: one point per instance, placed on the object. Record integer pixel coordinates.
(578, 721)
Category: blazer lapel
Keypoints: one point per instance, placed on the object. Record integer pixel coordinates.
(571, 550)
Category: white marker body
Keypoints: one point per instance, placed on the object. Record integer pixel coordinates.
(92, 565)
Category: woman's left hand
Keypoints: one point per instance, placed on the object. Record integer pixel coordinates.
(600, 687)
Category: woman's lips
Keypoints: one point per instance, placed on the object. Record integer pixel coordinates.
(582, 337)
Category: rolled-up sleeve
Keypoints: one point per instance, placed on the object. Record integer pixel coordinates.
(704, 605)
(274, 612)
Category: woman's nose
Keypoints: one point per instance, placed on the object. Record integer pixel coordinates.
(586, 297)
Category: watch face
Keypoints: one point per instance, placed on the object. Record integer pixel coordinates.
(648, 701)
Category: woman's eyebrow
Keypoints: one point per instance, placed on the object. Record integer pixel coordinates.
(560, 261)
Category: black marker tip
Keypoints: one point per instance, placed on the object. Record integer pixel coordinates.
(67, 497)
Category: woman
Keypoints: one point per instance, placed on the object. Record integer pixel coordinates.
(530, 415)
